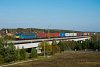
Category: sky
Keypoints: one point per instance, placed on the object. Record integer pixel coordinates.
(82, 15)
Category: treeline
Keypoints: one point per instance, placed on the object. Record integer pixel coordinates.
(92, 44)
(33, 30)
(8, 52)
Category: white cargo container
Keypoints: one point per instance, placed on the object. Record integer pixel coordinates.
(70, 34)
(74, 34)
(66, 34)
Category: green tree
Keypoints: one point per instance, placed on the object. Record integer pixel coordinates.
(18, 56)
(83, 45)
(1, 59)
(70, 45)
(79, 45)
(86, 44)
(95, 42)
(33, 53)
(10, 53)
(22, 54)
(66, 45)
(73, 44)
(7, 51)
(62, 46)
(1, 48)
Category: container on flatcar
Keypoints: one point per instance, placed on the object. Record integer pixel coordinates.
(41, 35)
(93, 34)
(67, 34)
(56, 34)
(79, 34)
(70, 34)
(74, 34)
(85, 34)
(51, 35)
(62, 34)
(89, 34)
(82, 34)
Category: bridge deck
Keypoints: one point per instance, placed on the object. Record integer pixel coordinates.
(40, 40)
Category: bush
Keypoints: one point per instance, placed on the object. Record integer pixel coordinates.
(62, 46)
(1, 59)
(33, 53)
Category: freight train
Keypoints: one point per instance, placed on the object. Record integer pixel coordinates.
(22, 36)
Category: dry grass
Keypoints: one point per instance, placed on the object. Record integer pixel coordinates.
(67, 59)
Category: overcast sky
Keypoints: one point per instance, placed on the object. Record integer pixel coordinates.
(83, 15)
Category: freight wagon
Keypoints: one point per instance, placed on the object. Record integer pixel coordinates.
(41, 35)
(79, 34)
(51, 35)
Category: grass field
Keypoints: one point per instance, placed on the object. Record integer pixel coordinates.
(66, 59)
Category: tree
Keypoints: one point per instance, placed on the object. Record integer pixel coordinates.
(1, 47)
(70, 45)
(86, 44)
(62, 46)
(95, 42)
(33, 53)
(48, 47)
(73, 44)
(10, 53)
(2, 50)
(79, 45)
(7, 51)
(55, 47)
(19, 30)
(99, 45)
(22, 54)
(83, 44)
(67, 45)
(18, 56)
(6, 37)
(1, 59)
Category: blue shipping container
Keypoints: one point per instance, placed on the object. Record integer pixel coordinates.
(62, 34)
